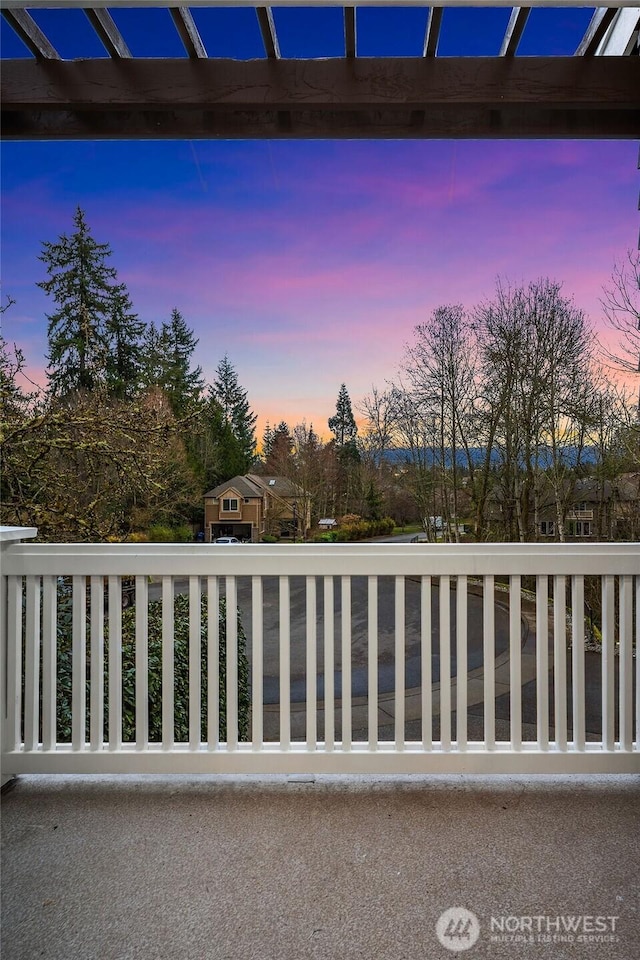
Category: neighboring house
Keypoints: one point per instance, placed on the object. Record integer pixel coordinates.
(251, 506)
(588, 515)
(626, 509)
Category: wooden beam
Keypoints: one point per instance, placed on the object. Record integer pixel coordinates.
(268, 31)
(110, 36)
(514, 31)
(30, 34)
(600, 23)
(405, 97)
(350, 32)
(414, 82)
(432, 34)
(186, 27)
(437, 123)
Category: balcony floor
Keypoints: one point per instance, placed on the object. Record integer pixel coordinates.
(270, 868)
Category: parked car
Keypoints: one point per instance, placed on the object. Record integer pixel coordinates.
(227, 540)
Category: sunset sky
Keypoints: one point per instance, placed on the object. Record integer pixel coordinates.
(309, 263)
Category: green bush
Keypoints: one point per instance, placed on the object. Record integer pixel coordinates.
(181, 672)
(160, 534)
(268, 538)
(183, 534)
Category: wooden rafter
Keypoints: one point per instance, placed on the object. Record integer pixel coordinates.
(186, 27)
(350, 31)
(514, 31)
(405, 97)
(600, 23)
(432, 34)
(30, 34)
(268, 31)
(110, 36)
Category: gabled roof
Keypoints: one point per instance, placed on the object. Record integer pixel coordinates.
(242, 485)
(252, 485)
(278, 486)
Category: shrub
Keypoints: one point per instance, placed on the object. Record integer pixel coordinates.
(138, 537)
(160, 534)
(181, 671)
(183, 534)
(268, 538)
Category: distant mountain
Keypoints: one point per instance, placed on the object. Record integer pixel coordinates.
(400, 455)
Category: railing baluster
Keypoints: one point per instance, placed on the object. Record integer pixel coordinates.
(542, 662)
(626, 662)
(637, 649)
(426, 679)
(445, 662)
(608, 663)
(213, 663)
(142, 664)
(115, 663)
(168, 668)
(560, 661)
(312, 665)
(515, 665)
(372, 661)
(329, 666)
(195, 664)
(97, 664)
(346, 663)
(79, 664)
(257, 670)
(461, 666)
(577, 661)
(14, 663)
(232, 663)
(399, 697)
(285, 663)
(489, 660)
(49, 666)
(32, 664)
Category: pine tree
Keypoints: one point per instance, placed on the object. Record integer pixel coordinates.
(267, 441)
(125, 333)
(343, 424)
(236, 410)
(82, 284)
(169, 364)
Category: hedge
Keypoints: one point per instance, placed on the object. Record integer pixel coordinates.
(181, 671)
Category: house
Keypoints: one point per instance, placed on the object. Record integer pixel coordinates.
(250, 506)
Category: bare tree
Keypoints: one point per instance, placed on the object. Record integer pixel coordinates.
(621, 305)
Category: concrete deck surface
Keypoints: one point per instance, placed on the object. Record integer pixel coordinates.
(246, 868)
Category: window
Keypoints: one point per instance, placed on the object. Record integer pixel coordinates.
(579, 528)
(547, 528)
(230, 505)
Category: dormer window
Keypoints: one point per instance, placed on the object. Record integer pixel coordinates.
(230, 505)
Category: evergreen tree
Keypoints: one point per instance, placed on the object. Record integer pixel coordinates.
(169, 363)
(281, 450)
(125, 333)
(236, 410)
(82, 284)
(267, 441)
(343, 424)
(183, 384)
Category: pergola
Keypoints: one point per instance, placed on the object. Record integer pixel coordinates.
(595, 93)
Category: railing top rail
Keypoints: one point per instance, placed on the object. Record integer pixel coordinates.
(360, 559)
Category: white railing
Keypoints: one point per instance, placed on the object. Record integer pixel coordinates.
(364, 658)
